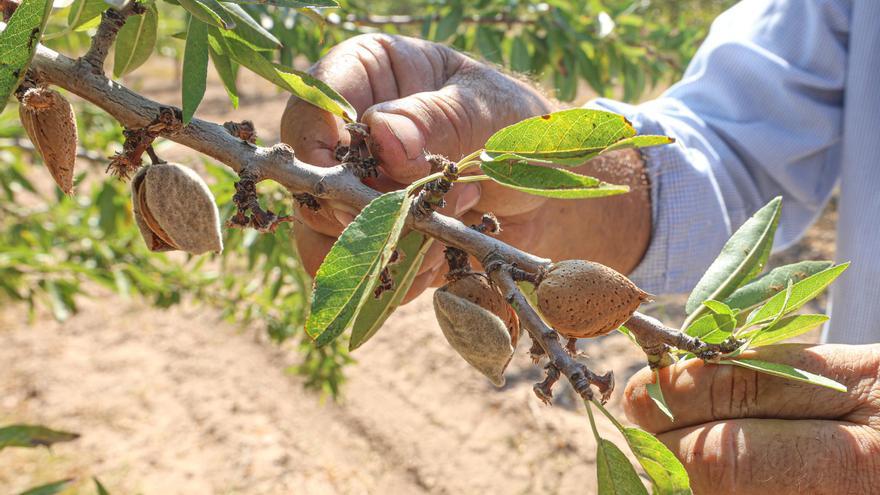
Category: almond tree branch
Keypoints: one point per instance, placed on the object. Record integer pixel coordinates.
(276, 163)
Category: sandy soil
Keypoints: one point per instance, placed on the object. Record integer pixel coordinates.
(178, 402)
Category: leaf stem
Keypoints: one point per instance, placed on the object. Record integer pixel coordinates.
(473, 178)
(587, 404)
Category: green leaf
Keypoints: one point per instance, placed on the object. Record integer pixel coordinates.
(801, 293)
(760, 289)
(520, 60)
(83, 11)
(299, 83)
(643, 141)
(786, 371)
(32, 436)
(448, 24)
(616, 475)
(210, 12)
(655, 392)
(228, 75)
(18, 42)
(787, 328)
(549, 182)
(568, 137)
(195, 67)
(296, 4)
(712, 328)
(249, 29)
(411, 251)
(667, 474)
(135, 41)
(488, 41)
(353, 264)
(718, 307)
(99, 487)
(742, 257)
(48, 489)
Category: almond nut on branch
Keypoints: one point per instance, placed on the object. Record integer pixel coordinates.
(174, 210)
(50, 123)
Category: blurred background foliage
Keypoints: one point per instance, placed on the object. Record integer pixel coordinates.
(55, 248)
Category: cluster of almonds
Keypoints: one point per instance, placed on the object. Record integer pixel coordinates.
(579, 299)
(172, 205)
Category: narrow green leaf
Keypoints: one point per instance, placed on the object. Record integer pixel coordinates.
(643, 141)
(549, 182)
(210, 12)
(448, 24)
(801, 293)
(18, 42)
(411, 251)
(667, 474)
(353, 264)
(83, 11)
(249, 29)
(295, 4)
(100, 487)
(227, 73)
(655, 392)
(48, 489)
(520, 60)
(712, 328)
(718, 307)
(762, 288)
(616, 475)
(787, 328)
(786, 371)
(488, 41)
(135, 41)
(299, 83)
(742, 255)
(32, 436)
(195, 67)
(568, 137)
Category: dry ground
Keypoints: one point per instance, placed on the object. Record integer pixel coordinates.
(177, 402)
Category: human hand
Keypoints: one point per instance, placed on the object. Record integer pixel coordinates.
(739, 431)
(415, 96)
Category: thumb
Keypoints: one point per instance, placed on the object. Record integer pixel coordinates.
(403, 130)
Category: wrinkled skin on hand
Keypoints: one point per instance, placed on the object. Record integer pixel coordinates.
(738, 431)
(417, 97)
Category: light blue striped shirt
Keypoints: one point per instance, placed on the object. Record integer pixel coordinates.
(783, 98)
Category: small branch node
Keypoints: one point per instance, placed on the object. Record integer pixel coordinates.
(489, 224)
(458, 261)
(306, 200)
(544, 389)
(112, 21)
(243, 130)
(246, 200)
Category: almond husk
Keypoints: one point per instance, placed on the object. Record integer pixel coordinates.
(50, 123)
(479, 289)
(174, 210)
(582, 299)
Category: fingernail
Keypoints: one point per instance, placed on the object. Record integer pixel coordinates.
(468, 197)
(343, 217)
(410, 137)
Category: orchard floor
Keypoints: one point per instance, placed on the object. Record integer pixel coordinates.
(178, 402)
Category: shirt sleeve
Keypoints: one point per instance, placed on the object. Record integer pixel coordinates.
(757, 114)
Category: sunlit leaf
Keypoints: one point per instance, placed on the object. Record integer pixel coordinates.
(32, 436)
(83, 11)
(786, 371)
(667, 474)
(228, 75)
(568, 137)
(764, 287)
(549, 182)
(616, 475)
(211, 12)
(249, 29)
(18, 41)
(801, 293)
(787, 328)
(195, 67)
(294, 4)
(411, 251)
(741, 258)
(655, 392)
(351, 267)
(642, 141)
(135, 41)
(712, 328)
